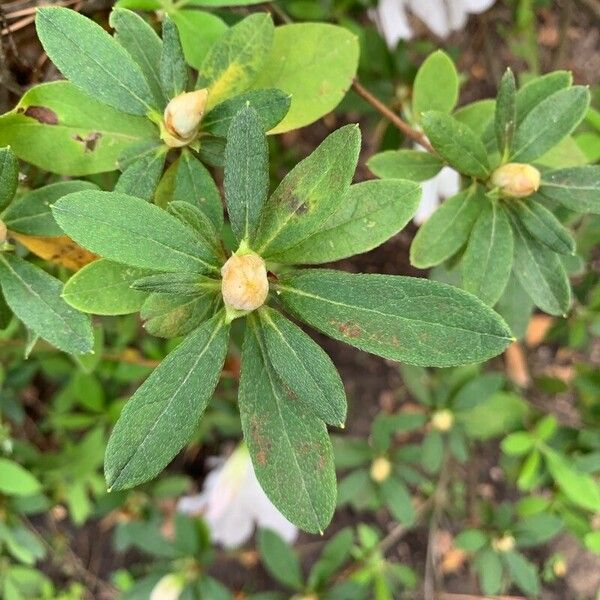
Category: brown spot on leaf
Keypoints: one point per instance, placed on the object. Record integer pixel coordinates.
(351, 330)
(261, 457)
(41, 114)
(89, 141)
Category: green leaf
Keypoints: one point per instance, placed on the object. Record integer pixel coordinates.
(470, 540)
(549, 122)
(537, 529)
(515, 306)
(193, 217)
(30, 214)
(580, 488)
(405, 164)
(141, 177)
(131, 231)
(541, 273)
(162, 415)
(540, 88)
(436, 73)
(577, 188)
(370, 214)
(592, 541)
(9, 176)
(477, 390)
(144, 46)
(489, 569)
(279, 559)
(17, 481)
(173, 68)
(432, 451)
(447, 230)
(487, 261)
(543, 225)
(220, 3)
(271, 106)
(172, 316)
(315, 64)
(198, 31)
(457, 144)
(333, 556)
(304, 369)
(104, 288)
(523, 573)
(505, 119)
(60, 129)
(193, 184)
(397, 498)
(400, 318)
(246, 180)
(309, 194)
(34, 297)
(91, 59)
(236, 59)
(476, 115)
(517, 443)
(291, 451)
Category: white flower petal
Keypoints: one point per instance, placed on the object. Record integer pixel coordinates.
(429, 201)
(477, 6)
(168, 588)
(434, 13)
(391, 20)
(448, 182)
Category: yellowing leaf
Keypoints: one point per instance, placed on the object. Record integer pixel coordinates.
(60, 250)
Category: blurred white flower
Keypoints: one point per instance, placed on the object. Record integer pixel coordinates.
(168, 588)
(232, 503)
(444, 185)
(442, 17)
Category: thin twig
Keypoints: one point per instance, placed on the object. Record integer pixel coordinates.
(20, 24)
(391, 116)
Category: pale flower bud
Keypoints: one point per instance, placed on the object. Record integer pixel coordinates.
(3, 232)
(381, 469)
(516, 180)
(560, 568)
(506, 543)
(182, 117)
(245, 285)
(442, 420)
(168, 588)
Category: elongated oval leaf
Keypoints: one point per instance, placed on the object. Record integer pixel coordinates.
(436, 73)
(34, 297)
(246, 179)
(271, 106)
(405, 164)
(305, 370)
(313, 62)
(456, 143)
(104, 288)
(173, 68)
(236, 59)
(30, 214)
(541, 273)
(447, 230)
(9, 176)
(131, 231)
(488, 259)
(90, 135)
(290, 449)
(543, 226)
(505, 120)
(162, 415)
(91, 59)
(141, 176)
(144, 46)
(17, 481)
(371, 213)
(577, 188)
(411, 320)
(310, 193)
(549, 122)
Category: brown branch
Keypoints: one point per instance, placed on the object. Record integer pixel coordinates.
(392, 117)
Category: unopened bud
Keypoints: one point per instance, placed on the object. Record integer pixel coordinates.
(517, 180)
(506, 543)
(168, 587)
(245, 285)
(3, 232)
(560, 568)
(182, 117)
(381, 469)
(442, 420)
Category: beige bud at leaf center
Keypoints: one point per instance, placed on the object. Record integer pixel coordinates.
(506, 543)
(182, 117)
(516, 180)
(245, 285)
(442, 420)
(381, 469)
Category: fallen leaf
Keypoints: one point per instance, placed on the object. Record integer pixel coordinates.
(515, 364)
